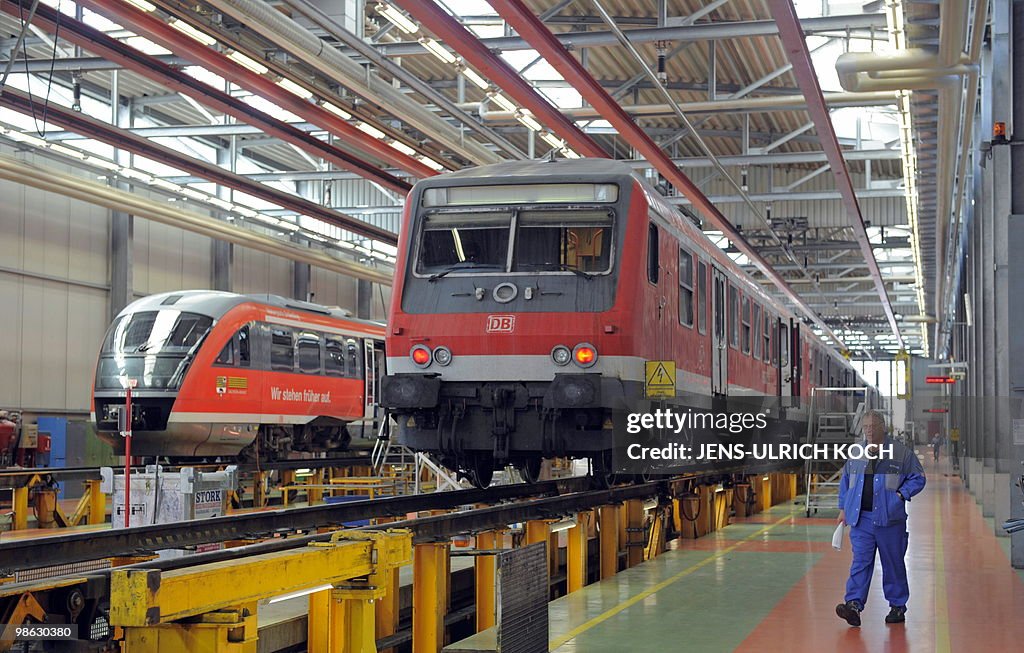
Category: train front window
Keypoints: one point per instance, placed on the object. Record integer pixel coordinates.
(151, 347)
(464, 240)
(563, 240)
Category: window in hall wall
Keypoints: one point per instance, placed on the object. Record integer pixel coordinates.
(685, 288)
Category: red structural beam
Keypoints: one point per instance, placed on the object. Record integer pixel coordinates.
(526, 23)
(497, 70)
(103, 132)
(113, 50)
(795, 45)
(150, 26)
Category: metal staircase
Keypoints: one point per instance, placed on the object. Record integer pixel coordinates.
(830, 421)
(412, 472)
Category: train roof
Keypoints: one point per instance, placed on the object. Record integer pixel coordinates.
(215, 304)
(518, 171)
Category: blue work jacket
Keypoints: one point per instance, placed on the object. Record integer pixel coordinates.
(902, 473)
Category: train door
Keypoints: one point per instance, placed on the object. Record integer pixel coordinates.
(783, 359)
(374, 366)
(719, 339)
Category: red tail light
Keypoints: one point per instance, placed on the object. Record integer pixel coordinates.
(584, 355)
(420, 355)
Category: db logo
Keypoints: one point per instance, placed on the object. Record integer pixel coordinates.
(501, 323)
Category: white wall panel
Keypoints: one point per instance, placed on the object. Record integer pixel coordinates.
(256, 272)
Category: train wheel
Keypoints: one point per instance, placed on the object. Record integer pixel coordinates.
(480, 470)
(529, 469)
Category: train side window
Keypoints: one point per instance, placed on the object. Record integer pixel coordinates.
(282, 353)
(734, 314)
(353, 350)
(652, 253)
(784, 345)
(745, 332)
(236, 351)
(755, 325)
(702, 297)
(766, 334)
(685, 288)
(334, 361)
(307, 350)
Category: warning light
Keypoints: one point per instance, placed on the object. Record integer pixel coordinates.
(999, 131)
(584, 355)
(939, 379)
(420, 355)
(936, 410)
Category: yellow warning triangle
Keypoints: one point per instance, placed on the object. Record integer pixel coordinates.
(660, 376)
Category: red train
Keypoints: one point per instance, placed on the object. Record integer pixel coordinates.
(528, 296)
(220, 374)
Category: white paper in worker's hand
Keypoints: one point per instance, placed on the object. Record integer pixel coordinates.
(837, 537)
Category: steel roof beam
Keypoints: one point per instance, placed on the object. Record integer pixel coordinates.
(122, 139)
(495, 69)
(522, 19)
(795, 45)
(700, 32)
(150, 26)
(99, 43)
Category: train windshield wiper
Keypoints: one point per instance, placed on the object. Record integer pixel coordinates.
(464, 265)
(564, 268)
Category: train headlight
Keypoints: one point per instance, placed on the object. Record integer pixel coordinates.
(561, 355)
(442, 356)
(585, 354)
(420, 355)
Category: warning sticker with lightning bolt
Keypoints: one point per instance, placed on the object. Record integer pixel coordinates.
(661, 378)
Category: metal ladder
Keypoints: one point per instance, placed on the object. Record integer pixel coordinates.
(407, 467)
(829, 421)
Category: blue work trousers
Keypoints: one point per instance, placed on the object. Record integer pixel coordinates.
(891, 544)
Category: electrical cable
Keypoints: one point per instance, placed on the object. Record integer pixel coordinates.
(28, 75)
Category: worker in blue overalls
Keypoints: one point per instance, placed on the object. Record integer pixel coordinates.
(872, 497)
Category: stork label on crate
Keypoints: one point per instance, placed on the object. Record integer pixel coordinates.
(208, 503)
(501, 323)
(305, 396)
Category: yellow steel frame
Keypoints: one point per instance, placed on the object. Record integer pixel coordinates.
(212, 607)
(484, 568)
(636, 534)
(431, 574)
(608, 521)
(576, 552)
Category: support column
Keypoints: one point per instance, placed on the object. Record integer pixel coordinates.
(364, 299)
(387, 608)
(122, 231)
(484, 567)
(220, 251)
(429, 596)
(608, 523)
(636, 534)
(576, 553)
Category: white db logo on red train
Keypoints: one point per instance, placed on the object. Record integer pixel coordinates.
(501, 323)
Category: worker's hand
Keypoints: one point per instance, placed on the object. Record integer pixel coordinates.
(842, 517)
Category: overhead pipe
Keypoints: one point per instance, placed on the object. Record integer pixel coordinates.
(55, 181)
(329, 25)
(523, 20)
(104, 132)
(150, 26)
(778, 102)
(498, 71)
(304, 45)
(99, 43)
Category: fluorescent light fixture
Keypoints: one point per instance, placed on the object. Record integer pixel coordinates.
(503, 102)
(471, 75)
(247, 212)
(528, 120)
(563, 525)
(430, 163)
(102, 163)
(132, 173)
(294, 88)
(195, 194)
(570, 154)
(300, 593)
(142, 4)
(437, 50)
(192, 32)
(25, 138)
(552, 140)
(248, 62)
(370, 129)
(166, 185)
(336, 110)
(403, 148)
(224, 204)
(397, 18)
(67, 151)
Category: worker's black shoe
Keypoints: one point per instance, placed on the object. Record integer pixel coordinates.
(896, 615)
(850, 611)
